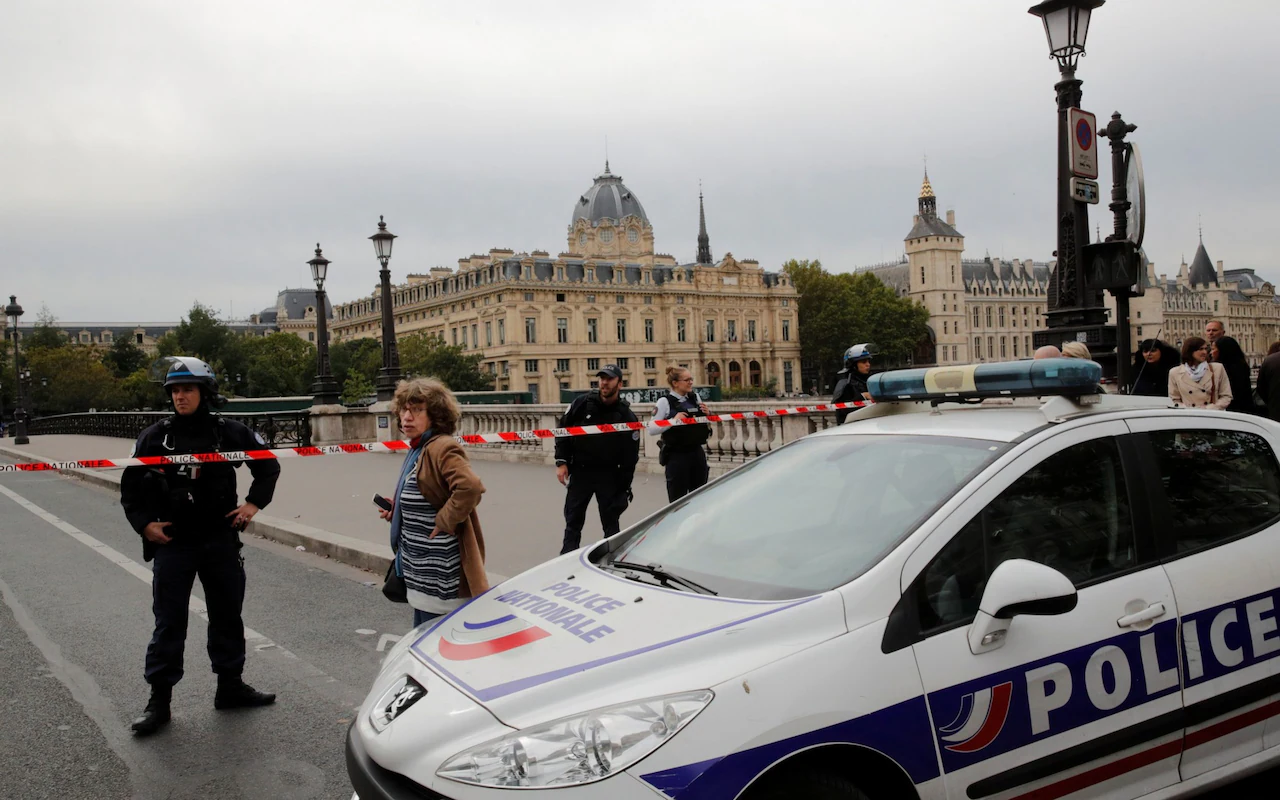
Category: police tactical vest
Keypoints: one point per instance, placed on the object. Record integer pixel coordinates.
(684, 437)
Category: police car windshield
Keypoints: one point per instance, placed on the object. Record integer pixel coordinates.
(807, 518)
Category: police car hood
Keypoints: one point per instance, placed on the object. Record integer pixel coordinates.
(566, 637)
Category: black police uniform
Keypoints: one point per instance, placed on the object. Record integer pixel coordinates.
(205, 543)
(683, 455)
(600, 465)
(850, 387)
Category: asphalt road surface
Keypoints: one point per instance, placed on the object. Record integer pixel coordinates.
(74, 623)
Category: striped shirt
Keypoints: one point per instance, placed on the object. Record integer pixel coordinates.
(432, 567)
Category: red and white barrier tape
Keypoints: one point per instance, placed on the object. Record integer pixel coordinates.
(505, 437)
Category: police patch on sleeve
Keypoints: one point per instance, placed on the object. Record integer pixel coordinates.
(259, 438)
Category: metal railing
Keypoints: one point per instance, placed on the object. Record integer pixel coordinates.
(277, 428)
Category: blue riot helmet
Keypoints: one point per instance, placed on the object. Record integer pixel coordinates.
(185, 369)
(859, 352)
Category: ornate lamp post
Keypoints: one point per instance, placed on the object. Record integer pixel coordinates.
(325, 387)
(14, 311)
(1071, 304)
(389, 375)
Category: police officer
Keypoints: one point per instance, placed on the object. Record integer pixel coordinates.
(681, 450)
(851, 383)
(599, 464)
(189, 519)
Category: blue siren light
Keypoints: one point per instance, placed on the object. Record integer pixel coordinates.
(1034, 378)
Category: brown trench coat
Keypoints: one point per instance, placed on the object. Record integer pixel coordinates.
(447, 482)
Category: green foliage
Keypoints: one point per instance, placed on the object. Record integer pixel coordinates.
(125, 358)
(837, 311)
(203, 335)
(280, 365)
(138, 392)
(45, 335)
(77, 381)
(424, 355)
(355, 356)
(356, 389)
(770, 389)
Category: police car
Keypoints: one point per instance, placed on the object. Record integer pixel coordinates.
(1052, 593)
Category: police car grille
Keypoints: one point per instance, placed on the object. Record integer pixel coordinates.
(406, 788)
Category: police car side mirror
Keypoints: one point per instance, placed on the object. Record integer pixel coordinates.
(1016, 587)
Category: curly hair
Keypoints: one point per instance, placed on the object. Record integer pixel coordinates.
(442, 407)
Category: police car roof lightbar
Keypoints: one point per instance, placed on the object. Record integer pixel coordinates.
(1034, 378)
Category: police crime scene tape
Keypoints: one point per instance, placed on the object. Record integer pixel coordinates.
(395, 445)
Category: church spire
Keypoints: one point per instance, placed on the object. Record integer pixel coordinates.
(928, 203)
(704, 241)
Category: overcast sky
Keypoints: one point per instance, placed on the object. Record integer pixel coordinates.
(153, 154)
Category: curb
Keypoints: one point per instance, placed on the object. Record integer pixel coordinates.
(337, 546)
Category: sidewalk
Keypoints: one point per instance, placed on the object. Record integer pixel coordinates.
(326, 503)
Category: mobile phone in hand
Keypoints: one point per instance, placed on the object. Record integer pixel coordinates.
(382, 502)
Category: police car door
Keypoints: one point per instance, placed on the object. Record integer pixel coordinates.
(1216, 505)
(1063, 702)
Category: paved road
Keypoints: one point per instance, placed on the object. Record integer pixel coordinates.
(74, 622)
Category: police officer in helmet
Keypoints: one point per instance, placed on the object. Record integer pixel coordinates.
(189, 518)
(599, 464)
(851, 383)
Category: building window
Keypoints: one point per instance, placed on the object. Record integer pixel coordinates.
(1139, 331)
(953, 273)
(488, 334)
(475, 336)
(944, 326)
(975, 317)
(454, 332)
(562, 330)
(560, 275)
(528, 297)
(989, 316)
(559, 297)
(562, 365)
(922, 276)
(1003, 350)
(593, 364)
(531, 330)
(531, 365)
(1001, 316)
(591, 276)
(591, 298)
(506, 369)
(650, 362)
(502, 331)
(606, 235)
(633, 235)
(679, 299)
(623, 363)
(991, 347)
(786, 330)
(311, 336)
(679, 330)
(1015, 347)
(977, 347)
(954, 349)
(711, 330)
(751, 330)
(786, 303)
(593, 330)
(648, 298)
(648, 331)
(731, 331)
(620, 299)
(622, 330)
(650, 382)
(138, 338)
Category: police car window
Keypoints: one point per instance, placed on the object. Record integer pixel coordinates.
(1217, 484)
(1070, 512)
(808, 517)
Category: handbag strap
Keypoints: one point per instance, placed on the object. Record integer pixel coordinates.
(1213, 386)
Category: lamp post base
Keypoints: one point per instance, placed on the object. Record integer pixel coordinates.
(388, 379)
(325, 390)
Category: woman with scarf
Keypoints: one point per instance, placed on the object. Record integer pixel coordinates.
(1227, 352)
(435, 532)
(1198, 382)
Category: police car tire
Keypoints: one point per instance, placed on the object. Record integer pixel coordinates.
(809, 785)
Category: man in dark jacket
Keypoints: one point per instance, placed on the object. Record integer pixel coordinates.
(599, 464)
(189, 518)
(1269, 384)
(851, 383)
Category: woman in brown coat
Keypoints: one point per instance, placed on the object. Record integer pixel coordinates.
(1199, 382)
(435, 532)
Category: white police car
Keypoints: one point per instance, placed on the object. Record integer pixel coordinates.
(1072, 596)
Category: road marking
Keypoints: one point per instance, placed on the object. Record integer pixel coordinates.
(253, 639)
(365, 631)
(386, 639)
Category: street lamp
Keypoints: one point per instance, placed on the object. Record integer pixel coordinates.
(389, 375)
(325, 387)
(14, 311)
(1071, 305)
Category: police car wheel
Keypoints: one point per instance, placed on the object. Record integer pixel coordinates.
(810, 785)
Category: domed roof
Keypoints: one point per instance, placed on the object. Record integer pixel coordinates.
(608, 198)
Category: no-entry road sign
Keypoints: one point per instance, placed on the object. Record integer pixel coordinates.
(1084, 143)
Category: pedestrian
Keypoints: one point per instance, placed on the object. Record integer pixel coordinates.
(1268, 389)
(1151, 365)
(1047, 351)
(435, 531)
(189, 519)
(682, 448)
(1274, 348)
(600, 465)
(1076, 350)
(1227, 352)
(1198, 382)
(851, 383)
(1214, 330)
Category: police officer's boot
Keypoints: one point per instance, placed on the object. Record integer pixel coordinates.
(156, 713)
(235, 693)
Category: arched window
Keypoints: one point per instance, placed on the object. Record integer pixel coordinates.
(753, 371)
(713, 373)
(735, 374)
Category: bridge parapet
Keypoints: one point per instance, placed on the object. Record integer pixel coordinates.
(278, 429)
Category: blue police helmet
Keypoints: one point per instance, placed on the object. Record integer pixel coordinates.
(859, 352)
(185, 369)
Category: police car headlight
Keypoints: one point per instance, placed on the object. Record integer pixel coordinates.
(579, 749)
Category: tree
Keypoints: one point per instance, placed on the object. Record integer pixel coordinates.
(355, 356)
(279, 365)
(427, 355)
(77, 381)
(356, 389)
(203, 335)
(45, 333)
(139, 392)
(124, 358)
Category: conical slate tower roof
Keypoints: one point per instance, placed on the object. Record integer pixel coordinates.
(1202, 269)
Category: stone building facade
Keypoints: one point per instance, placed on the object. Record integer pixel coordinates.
(543, 323)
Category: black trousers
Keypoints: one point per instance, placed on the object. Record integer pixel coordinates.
(610, 491)
(217, 561)
(686, 471)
